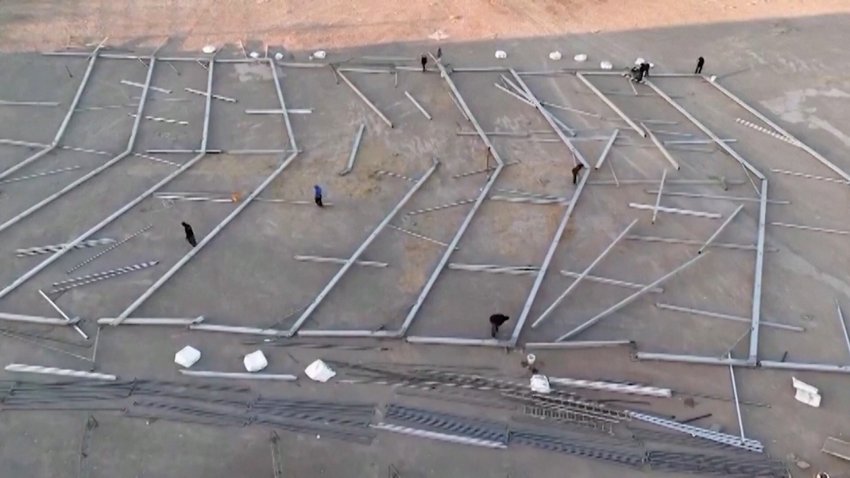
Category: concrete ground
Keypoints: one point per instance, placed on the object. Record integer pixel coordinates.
(791, 69)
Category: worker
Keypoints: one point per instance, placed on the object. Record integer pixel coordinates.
(645, 68)
(637, 74)
(190, 234)
(439, 53)
(317, 195)
(576, 170)
(496, 321)
(700, 63)
(424, 60)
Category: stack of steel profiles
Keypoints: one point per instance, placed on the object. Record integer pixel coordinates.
(447, 423)
(721, 465)
(620, 455)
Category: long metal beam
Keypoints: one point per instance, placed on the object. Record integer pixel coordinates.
(722, 316)
(103, 167)
(628, 300)
(719, 142)
(362, 248)
(227, 220)
(426, 289)
(538, 280)
(779, 129)
(581, 276)
(724, 361)
(64, 125)
(365, 99)
(719, 229)
(115, 215)
(611, 105)
(550, 119)
(759, 268)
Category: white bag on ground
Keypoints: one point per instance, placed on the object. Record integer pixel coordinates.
(540, 384)
(187, 356)
(806, 393)
(319, 371)
(255, 361)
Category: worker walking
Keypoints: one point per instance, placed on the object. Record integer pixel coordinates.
(496, 321)
(190, 234)
(576, 170)
(317, 195)
(700, 63)
(424, 62)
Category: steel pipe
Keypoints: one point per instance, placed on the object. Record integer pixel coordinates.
(417, 105)
(152, 321)
(23, 368)
(607, 149)
(354, 148)
(357, 253)
(36, 320)
(578, 344)
(719, 229)
(239, 375)
(628, 300)
(719, 245)
(605, 280)
(611, 105)
(365, 100)
(661, 148)
(673, 210)
(733, 318)
(759, 269)
(715, 196)
(658, 198)
(810, 228)
(843, 324)
(808, 176)
(65, 316)
(338, 260)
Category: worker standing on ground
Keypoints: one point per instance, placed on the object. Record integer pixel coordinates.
(439, 53)
(496, 321)
(317, 195)
(424, 62)
(190, 234)
(644, 68)
(700, 63)
(576, 170)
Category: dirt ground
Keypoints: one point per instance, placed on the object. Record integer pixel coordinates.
(783, 57)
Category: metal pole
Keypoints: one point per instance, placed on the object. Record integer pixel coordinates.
(38, 175)
(759, 268)
(811, 367)
(658, 198)
(810, 228)
(673, 210)
(69, 246)
(695, 359)
(153, 321)
(628, 300)
(577, 344)
(354, 148)
(704, 129)
(111, 247)
(661, 148)
(775, 126)
(450, 248)
(605, 280)
(737, 403)
(577, 156)
(365, 100)
(63, 314)
(733, 318)
(611, 105)
(607, 148)
(239, 375)
(338, 260)
(719, 229)
(36, 320)
(357, 253)
(547, 260)
(721, 245)
(843, 324)
(581, 276)
(282, 102)
(417, 105)
(62, 127)
(808, 176)
(94, 172)
(715, 196)
(23, 368)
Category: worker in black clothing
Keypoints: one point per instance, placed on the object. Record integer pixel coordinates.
(424, 62)
(576, 170)
(700, 63)
(190, 234)
(644, 68)
(496, 321)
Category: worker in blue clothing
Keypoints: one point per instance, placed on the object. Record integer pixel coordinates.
(317, 195)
